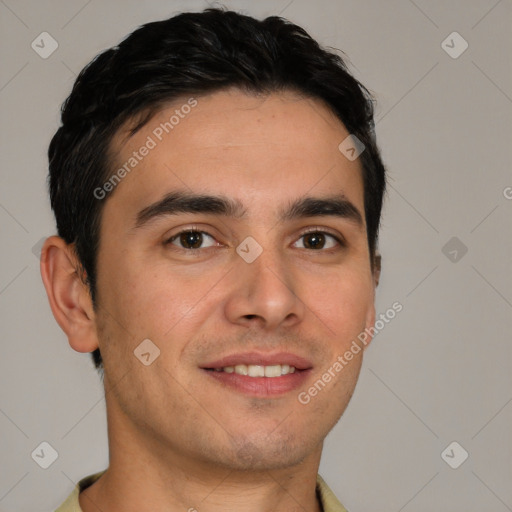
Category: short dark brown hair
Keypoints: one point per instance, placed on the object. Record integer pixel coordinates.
(192, 54)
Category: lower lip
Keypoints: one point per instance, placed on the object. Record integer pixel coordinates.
(261, 386)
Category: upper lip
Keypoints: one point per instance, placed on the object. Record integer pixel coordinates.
(262, 359)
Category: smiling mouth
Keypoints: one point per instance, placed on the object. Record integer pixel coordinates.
(257, 380)
(260, 374)
(254, 370)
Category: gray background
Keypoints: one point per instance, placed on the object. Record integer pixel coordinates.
(439, 372)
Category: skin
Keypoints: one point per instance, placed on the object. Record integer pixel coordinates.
(178, 439)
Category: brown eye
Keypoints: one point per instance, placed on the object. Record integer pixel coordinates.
(190, 239)
(314, 240)
(317, 240)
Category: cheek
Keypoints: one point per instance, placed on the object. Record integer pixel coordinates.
(343, 301)
(154, 301)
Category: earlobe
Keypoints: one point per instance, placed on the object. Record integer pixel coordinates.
(369, 327)
(370, 318)
(68, 295)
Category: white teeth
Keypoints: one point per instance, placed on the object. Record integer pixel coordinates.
(273, 371)
(241, 369)
(255, 370)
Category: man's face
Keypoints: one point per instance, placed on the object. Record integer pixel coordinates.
(205, 305)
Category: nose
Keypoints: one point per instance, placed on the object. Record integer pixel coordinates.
(265, 294)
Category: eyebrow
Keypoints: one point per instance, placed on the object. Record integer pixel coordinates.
(178, 202)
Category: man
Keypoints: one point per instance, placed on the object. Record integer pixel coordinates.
(217, 190)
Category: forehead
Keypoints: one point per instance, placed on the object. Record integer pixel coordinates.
(261, 148)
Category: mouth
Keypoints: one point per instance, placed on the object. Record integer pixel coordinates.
(261, 375)
(255, 370)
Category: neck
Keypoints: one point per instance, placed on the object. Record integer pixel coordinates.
(144, 474)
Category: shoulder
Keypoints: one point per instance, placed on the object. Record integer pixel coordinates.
(327, 498)
(72, 504)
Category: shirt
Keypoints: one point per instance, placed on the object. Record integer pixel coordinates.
(328, 500)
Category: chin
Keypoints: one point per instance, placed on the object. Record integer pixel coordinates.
(264, 454)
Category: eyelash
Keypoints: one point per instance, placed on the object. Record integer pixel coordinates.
(337, 238)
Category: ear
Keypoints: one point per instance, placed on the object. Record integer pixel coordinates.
(68, 295)
(370, 317)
